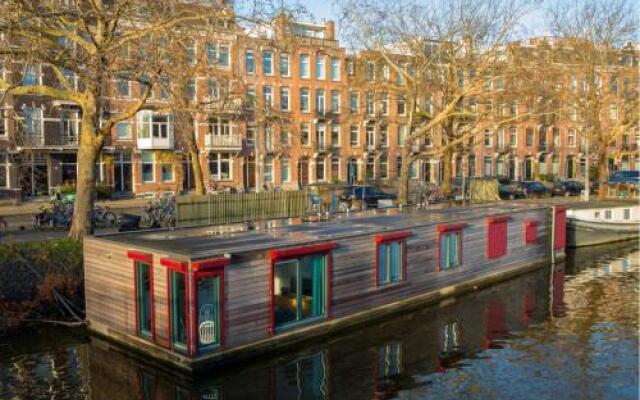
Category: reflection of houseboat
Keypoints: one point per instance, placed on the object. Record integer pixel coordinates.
(198, 296)
(592, 226)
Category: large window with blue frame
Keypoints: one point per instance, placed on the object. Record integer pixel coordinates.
(390, 261)
(300, 290)
(450, 250)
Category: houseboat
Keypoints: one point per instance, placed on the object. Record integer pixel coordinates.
(600, 225)
(198, 297)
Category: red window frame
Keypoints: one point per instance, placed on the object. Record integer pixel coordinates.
(295, 252)
(457, 227)
(205, 269)
(180, 267)
(530, 231)
(386, 238)
(147, 258)
(497, 232)
(560, 234)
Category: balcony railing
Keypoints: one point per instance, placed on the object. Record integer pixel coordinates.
(322, 147)
(224, 142)
(156, 143)
(47, 140)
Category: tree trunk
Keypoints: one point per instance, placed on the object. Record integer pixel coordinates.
(447, 171)
(196, 168)
(602, 176)
(85, 186)
(403, 183)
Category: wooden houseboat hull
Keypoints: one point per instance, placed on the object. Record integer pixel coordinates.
(201, 297)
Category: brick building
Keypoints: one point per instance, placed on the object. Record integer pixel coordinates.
(284, 109)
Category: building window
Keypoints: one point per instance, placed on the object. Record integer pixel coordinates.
(335, 135)
(267, 93)
(178, 300)
(4, 170)
(400, 136)
(371, 136)
(335, 69)
(335, 167)
(320, 169)
(449, 246)
(284, 65)
(488, 138)
(613, 112)
(167, 172)
(250, 62)
(143, 282)
(369, 71)
(320, 135)
(284, 170)
(384, 135)
(320, 101)
(284, 136)
(369, 167)
(320, 67)
(351, 68)
(268, 169)
(626, 213)
(384, 166)
(571, 138)
(513, 137)
(391, 257)
(304, 100)
(123, 129)
(402, 105)
(384, 103)
(370, 104)
(124, 88)
(354, 135)
(284, 98)
(191, 90)
(209, 292)
(300, 283)
(353, 103)
(33, 121)
(304, 134)
(31, 76)
(488, 164)
(147, 166)
(496, 237)
(335, 102)
(4, 123)
(529, 137)
(390, 365)
(413, 170)
(304, 66)
(220, 166)
(267, 62)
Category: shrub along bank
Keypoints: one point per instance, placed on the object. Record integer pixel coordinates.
(40, 281)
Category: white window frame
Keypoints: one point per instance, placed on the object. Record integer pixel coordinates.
(335, 128)
(153, 166)
(321, 67)
(308, 103)
(218, 161)
(305, 73)
(357, 132)
(335, 105)
(284, 56)
(285, 90)
(271, 63)
(335, 69)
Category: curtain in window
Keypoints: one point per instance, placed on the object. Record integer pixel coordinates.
(317, 293)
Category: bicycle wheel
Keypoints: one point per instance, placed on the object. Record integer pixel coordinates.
(109, 219)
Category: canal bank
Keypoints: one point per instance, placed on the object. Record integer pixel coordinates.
(563, 333)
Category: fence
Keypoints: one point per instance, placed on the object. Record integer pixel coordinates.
(197, 210)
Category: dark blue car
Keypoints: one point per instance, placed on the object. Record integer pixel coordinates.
(625, 177)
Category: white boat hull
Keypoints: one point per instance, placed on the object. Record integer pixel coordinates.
(585, 233)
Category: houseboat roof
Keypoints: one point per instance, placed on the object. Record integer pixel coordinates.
(210, 241)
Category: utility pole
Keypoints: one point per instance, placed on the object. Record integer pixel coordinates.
(586, 167)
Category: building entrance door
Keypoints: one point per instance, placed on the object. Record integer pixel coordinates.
(122, 173)
(352, 171)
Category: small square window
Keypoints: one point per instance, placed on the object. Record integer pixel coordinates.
(390, 258)
(627, 213)
(607, 214)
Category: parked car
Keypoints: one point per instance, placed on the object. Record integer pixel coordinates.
(625, 177)
(567, 188)
(368, 194)
(514, 190)
(533, 189)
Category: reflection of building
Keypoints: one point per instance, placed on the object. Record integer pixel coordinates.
(294, 109)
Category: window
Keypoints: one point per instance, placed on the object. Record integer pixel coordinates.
(390, 365)
(4, 123)
(177, 305)
(613, 112)
(513, 137)
(384, 102)
(147, 166)
(488, 166)
(124, 88)
(353, 103)
(320, 101)
(351, 68)
(300, 285)
(613, 85)
(4, 170)
(449, 246)
(32, 121)
(384, 135)
(335, 135)
(268, 169)
(208, 314)
(626, 212)
(143, 282)
(304, 100)
(191, 90)
(284, 136)
(390, 257)
(335, 167)
(31, 75)
(607, 214)
(267, 62)
(285, 170)
(369, 71)
(191, 52)
(220, 166)
(335, 69)
(386, 75)
(320, 67)
(530, 231)
(304, 134)
(304, 66)
(320, 169)
(402, 105)
(370, 104)
(267, 92)
(496, 237)
(284, 98)
(369, 167)
(335, 102)
(413, 170)
(251, 95)
(218, 54)
(250, 62)
(400, 136)
(284, 65)
(384, 166)
(320, 135)
(124, 130)
(251, 135)
(354, 139)
(514, 108)
(488, 138)
(571, 138)
(167, 172)
(371, 136)
(529, 137)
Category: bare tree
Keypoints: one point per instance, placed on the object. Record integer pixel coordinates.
(600, 88)
(454, 62)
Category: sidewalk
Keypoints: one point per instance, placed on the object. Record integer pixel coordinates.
(33, 206)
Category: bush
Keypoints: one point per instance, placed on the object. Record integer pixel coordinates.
(67, 188)
(104, 192)
(547, 177)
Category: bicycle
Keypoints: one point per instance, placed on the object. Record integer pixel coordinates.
(103, 216)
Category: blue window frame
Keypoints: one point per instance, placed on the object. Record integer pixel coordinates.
(390, 260)
(450, 250)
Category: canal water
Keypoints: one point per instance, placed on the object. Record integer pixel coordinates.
(564, 332)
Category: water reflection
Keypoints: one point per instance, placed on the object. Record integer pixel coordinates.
(563, 332)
